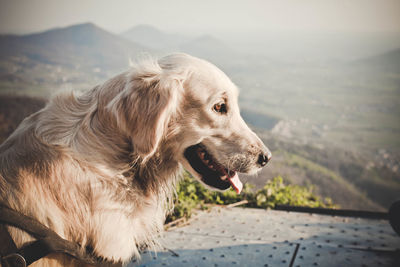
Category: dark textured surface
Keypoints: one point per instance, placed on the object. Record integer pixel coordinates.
(254, 237)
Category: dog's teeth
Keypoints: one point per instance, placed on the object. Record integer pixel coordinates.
(211, 166)
(224, 177)
(202, 155)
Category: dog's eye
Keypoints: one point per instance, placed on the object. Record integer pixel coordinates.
(220, 108)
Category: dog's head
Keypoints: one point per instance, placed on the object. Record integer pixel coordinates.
(194, 105)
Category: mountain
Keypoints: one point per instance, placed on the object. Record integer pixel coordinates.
(79, 56)
(152, 37)
(205, 46)
(84, 55)
(84, 45)
(351, 107)
(337, 174)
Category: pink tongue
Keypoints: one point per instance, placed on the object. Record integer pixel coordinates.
(236, 183)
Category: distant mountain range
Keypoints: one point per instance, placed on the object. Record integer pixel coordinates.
(82, 56)
(89, 46)
(151, 37)
(83, 45)
(204, 46)
(86, 51)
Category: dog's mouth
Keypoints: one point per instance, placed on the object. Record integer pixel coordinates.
(212, 173)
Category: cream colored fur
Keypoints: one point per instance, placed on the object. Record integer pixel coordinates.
(99, 167)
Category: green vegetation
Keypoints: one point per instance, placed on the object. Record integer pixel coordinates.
(191, 195)
(351, 179)
(330, 123)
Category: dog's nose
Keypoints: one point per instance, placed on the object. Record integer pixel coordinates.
(263, 158)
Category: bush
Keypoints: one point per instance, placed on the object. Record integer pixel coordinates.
(191, 195)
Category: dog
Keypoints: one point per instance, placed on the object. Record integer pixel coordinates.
(99, 167)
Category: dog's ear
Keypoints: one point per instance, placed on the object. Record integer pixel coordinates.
(144, 107)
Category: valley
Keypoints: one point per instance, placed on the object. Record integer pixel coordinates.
(332, 123)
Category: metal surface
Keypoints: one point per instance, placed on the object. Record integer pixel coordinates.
(336, 212)
(254, 237)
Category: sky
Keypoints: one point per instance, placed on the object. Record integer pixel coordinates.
(189, 16)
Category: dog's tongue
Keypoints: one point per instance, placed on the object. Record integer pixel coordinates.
(236, 183)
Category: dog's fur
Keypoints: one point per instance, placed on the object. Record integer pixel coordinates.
(99, 168)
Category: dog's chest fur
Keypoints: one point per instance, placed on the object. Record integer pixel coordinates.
(92, 204)
(97, 211)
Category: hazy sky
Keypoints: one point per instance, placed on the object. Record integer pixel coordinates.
(23, 16)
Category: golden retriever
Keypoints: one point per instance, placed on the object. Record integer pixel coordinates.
(99, 167)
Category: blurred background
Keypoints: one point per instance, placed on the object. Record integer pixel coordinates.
(319, 80)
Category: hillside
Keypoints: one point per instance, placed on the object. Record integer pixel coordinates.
(152, 37)
(80, 56)
(332, 125)
(13, 109)
(78, 46)
(333, 173)
(204, 46)
(350, 178)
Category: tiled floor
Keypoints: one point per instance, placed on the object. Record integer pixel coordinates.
(255, 237)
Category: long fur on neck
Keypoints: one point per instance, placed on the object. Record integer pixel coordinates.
(70, 167)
